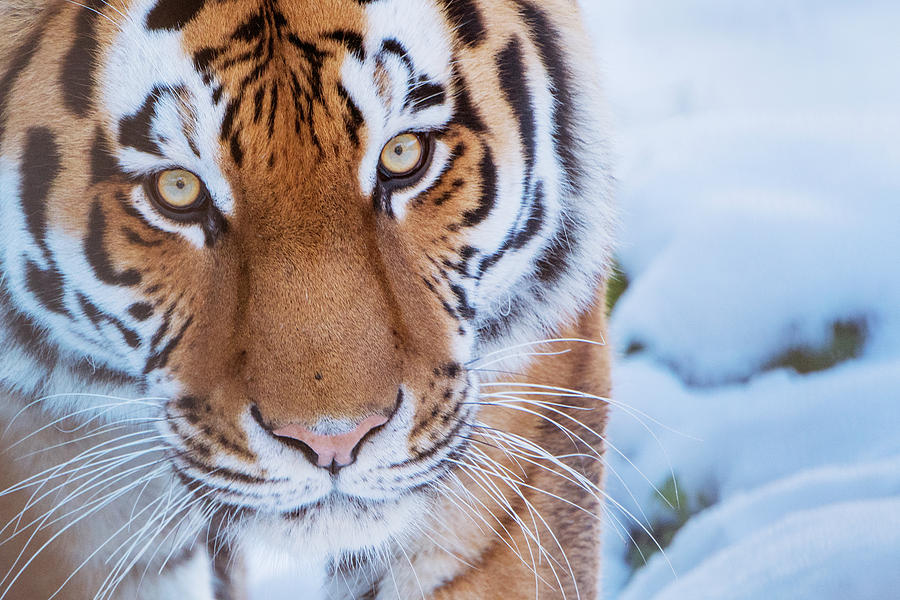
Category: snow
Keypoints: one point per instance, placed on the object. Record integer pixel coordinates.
(759, 178)
(772, 509)
(779, 445)
(843, 550)
(759, 182)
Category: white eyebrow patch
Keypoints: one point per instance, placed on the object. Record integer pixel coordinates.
(150, 71)
(406, 44)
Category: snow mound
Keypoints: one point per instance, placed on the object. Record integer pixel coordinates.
(759, 181)
(846, 550)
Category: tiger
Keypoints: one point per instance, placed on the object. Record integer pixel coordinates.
(300, 283)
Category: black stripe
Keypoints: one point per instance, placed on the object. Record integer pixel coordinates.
(173, 14)
(77, 69)
(47, 287)
(223, 585)
(354, 120)
(99, 373)
(237, 153)
(135, 238)
(163, 328)
(128, 208)
(463, 308)
(41, 165)
(395, 47)
(20, 61)
(464, 111)
(218, 472)
(104, 165)
(423, 95)
(466, 20)
(352, 40)
(511, 69)
(228, 120)
(522, 233)
(97, 317)
(488, 173)
(547, 39)
(136, 131)
(258, 98)
(28, 335)
(458, 151)
(555, 258)
(535, 220)
(98, 257)
(252, 29)
(203, 59)
(140, 311)
(160, 359)
(273, 110)
(315, 56)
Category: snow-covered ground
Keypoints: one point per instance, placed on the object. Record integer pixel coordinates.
(760, 184)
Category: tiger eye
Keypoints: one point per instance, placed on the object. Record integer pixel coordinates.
(403, 155)
(179, 189)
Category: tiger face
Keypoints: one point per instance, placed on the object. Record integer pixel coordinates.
(296, 226)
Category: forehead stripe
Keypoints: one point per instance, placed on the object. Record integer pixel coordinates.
(425, 94)
(466, 20)
(464, 112)
(20, 61)
(136, 131)
(77, 70)
(351, 40)
(354, 120)
(104, 165)
(173, 14)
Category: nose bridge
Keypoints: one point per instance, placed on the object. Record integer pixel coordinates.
(321, 327)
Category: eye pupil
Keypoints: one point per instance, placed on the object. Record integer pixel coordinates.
(178, 190)
(405, 156)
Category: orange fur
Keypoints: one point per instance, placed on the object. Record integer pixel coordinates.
(313, 305)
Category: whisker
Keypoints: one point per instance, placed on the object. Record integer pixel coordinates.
(93, 10)
(109, 539)
(538, 343)
(572, 434)
(121, 400)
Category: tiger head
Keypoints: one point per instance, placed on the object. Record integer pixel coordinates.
(292, 229)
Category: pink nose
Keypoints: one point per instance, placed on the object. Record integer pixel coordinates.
(332, 449)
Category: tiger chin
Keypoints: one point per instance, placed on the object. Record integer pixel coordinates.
(320, 282)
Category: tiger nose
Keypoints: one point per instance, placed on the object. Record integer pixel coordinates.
(332, 451)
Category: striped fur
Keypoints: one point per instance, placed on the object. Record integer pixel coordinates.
(308, 290)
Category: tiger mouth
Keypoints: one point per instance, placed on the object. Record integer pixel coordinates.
(347, 487)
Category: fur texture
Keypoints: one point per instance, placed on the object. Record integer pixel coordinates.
(148, 356)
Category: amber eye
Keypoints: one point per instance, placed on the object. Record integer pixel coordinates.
(178, 190)
(405, 156)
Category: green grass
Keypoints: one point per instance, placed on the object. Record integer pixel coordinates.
(617, 284)
(847, 342)
(677, 509)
